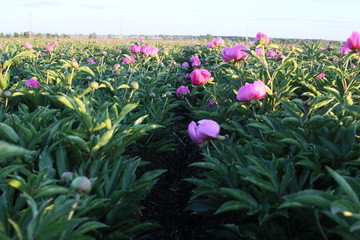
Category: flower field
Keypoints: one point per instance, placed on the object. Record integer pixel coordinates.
(177, 140)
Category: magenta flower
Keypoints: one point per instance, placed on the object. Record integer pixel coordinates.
(185, 65)
(210, 45)
(211, 102)
(128, 60)
(271, 53)
(182, 91)
(90, 60)
(33, 83)
(135, 48)
(27, 46)
(218, 41)
(321, 75)
(145, 49)
(207, 129)
(54, 43)
(256, 90)
(259, 51)
(49, 48)
(194, 58)
(261, 39)
(279, 56)
(199, 76)
(344, 49)
(196, 63)
(353, 41)
(234, 53)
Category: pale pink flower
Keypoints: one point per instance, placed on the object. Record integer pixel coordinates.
(207, 129)
(27, 46)
(128, 60)
(256, 90)
(234, 53)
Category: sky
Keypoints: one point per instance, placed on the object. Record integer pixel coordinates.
(304, 19)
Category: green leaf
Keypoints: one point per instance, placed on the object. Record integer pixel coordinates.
(105, 138)
(344, 185)
(51, 190)
(9, 133)
(10, 150)
(86, 69)
(64, 100)
(232, 206)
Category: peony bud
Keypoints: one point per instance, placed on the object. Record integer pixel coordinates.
(81, 184)
(94, 85)
(135, 85)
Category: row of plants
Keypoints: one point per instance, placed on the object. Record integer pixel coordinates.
(276, 125)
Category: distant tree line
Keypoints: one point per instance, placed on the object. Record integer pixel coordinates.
(33, 35)
(205, 38)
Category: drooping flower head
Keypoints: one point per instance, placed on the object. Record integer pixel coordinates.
(256, 90)
(207, 129)
(199, 76)
(261, 39)
(33, 83)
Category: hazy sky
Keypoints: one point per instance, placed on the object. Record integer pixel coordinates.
(316, 19)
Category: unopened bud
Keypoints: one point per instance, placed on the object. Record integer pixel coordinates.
(94, 85)
(6, 94)
(135, 85)
(81, 184)
(67, 176)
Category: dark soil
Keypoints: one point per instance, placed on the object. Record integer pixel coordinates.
(168, 199)
(167, 202)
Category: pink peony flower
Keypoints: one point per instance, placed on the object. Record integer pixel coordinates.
(321, 75)
(344, 49)
(279, 56)
(196, 63)
(271, 53)
(128, 60)
(234, 53)
(353, 41)
(256, 90)
(135, 48)
(49, 48)
(259, 51)
(210, 45)
(33, 83)
(54, 43)
(185, 65)
(207, 129)
(261, 39)
(199, 76)
(182, 91)
(218, 41)
(90, 60)
(194, 58)
(27, 46)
